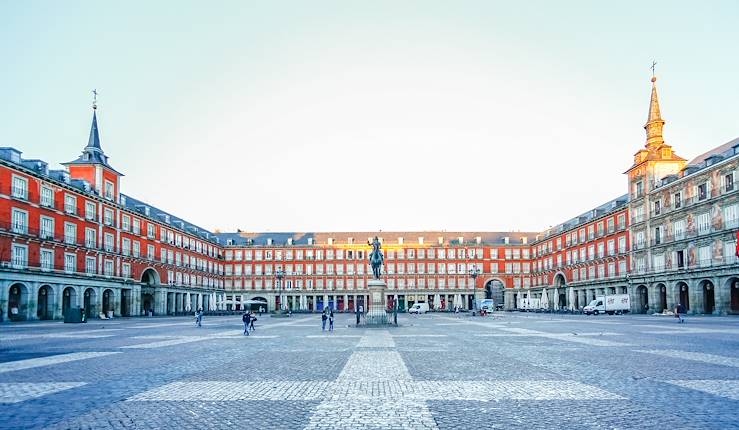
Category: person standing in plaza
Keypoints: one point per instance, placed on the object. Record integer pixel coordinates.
(331, 321)
(680, 310)
(199, 317)
(323, 320)
(246, 319)
(252, 320)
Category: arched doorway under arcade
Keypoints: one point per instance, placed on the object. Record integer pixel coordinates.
(18, 302)
(69, 299)
(495, 289)
(642, 296)
(45, 303)
(732, 284)
(709, 296)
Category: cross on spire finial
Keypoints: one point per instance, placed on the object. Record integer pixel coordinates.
(95, 99)
(654, 63)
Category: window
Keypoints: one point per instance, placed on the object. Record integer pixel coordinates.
(47, 228)
(611, 227)
(730, 216)
(108, 242)
(136, 226)
(70, 204)
(136, 249)
(20, 188)
(20, 221)
(622, 221)
(90, 265)
(151, 231)
(126, 223)
(47, 197)
(704, 255)
(70, 233)
(622, 267)
(108, 268)
(90, 210)
(47, 259)
(704, 223)
(600, 229)
(622, 245)
(638, 189)
(678, 200)
(702, 191)
(70, 263)
(126, 246)
(729, 182)
(109, 190)
(90, 238)
(150, 252)
(20, 256)
(126, 272)
(657, 207)
(611, 247)
(108, 216)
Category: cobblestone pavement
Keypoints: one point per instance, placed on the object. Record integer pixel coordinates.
(435, 371)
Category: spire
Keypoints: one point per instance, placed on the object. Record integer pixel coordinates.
(654, 120)
(93, 142)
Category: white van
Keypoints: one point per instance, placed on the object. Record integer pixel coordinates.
(614, 304)
(419, 308)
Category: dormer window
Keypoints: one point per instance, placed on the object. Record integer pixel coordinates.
(666, 153)
(86, 157)
(109, 190)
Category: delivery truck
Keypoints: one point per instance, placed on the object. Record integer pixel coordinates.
(614, 304)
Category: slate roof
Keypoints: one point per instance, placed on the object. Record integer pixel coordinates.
(726, 150)
(388, 237)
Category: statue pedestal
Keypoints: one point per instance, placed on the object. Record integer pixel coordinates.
(376, 308)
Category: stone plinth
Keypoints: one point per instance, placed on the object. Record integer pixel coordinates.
(376, 314)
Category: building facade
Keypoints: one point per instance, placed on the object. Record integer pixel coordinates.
(70, 239)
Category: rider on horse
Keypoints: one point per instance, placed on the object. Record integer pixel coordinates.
(376, 258)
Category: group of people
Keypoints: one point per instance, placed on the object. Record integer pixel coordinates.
(327, 315)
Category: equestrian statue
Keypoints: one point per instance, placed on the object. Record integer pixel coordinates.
(376, 258)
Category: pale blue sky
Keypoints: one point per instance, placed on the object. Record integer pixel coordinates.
(278, 115)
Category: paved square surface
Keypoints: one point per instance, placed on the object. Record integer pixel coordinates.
(435, 371)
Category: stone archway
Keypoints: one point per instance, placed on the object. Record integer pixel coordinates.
(108, 302)
(90, 302)
(45, 303)
(69, 299)
(732, 284)
(661, 295)
(642, 296)
(150, 277)
(683, 294)
(18, 302)
(709, 296)
(495, 289)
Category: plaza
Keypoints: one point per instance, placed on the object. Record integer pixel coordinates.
(438, 370)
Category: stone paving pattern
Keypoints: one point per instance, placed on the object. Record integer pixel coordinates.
(435, 371)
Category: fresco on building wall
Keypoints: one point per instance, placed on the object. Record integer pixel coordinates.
(715, 183)
(718, 251)
(717, 217)
(691, 225)
(692, 255)
(666, 199)
(668, 260)
(689, 189)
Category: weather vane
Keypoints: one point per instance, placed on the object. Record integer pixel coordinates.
(95, 99)
(654, 63)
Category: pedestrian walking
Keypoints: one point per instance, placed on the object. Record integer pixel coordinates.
(323, 321)
(680, 313)
(246, 319)
(252, 320)
(199, 317)
(261, 309)
(331, 321)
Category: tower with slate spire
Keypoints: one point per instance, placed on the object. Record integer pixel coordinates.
(92, 165)
(654, 164)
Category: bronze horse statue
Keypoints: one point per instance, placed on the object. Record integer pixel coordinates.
(376, 258)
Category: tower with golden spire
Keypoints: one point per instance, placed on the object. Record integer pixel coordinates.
(656, 159)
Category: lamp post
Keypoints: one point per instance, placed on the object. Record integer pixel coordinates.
(474, 273)
(280, 275)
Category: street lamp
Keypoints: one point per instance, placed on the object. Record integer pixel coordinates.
(280, 274)
(474, 273)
